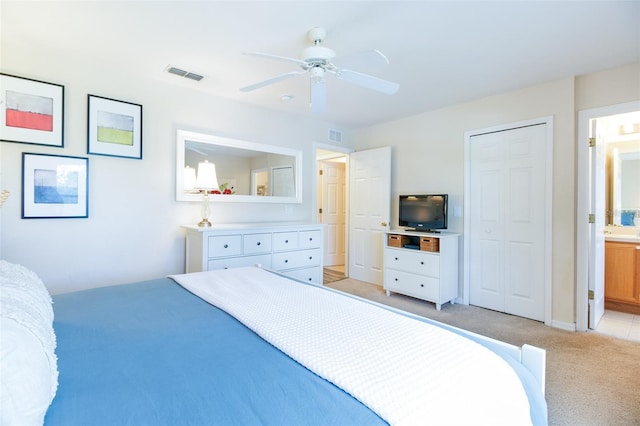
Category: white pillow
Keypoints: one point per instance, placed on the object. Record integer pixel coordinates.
(25, 377)
(28, 364)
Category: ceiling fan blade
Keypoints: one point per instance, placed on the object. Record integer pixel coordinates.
(370, 58)
(272, 80)
(368, 81)
(276, 57)
(318, 94)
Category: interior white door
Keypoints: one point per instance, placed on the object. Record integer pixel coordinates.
(369, 212)
(333, 211)
(596, 230)
(507, 223)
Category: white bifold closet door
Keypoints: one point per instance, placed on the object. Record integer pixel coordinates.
(507, 223)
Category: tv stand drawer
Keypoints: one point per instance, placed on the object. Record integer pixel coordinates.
(413, 261)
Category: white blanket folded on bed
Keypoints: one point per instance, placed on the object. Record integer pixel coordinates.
(407, 371)
(28, 363)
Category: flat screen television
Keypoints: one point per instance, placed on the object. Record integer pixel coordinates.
(423, 212)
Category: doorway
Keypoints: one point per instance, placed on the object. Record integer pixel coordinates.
(331, 210)
(366, 210)
(601, 124)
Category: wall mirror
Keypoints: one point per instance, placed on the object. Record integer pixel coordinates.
(623, 183)
(252, 172)
(621, 134)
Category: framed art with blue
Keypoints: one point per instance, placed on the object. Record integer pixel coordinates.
(31, 111)
(54, 186)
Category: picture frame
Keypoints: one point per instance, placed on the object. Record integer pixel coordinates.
(54, 186)
(31, 111)
(114, 128)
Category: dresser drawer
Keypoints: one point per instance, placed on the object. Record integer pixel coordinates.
(426, 288)
(225, 245)
(256, 243)
(296, 259)
(307, 275)
(413, 261)
(309, 239)
(263, 260)
(285, 241)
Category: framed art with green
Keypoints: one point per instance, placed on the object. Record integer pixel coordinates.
(114, 128)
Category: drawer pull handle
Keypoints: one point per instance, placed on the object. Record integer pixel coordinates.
(422, 262)
(310, 257)
(421, 285)
(395, 279)
(286, 241)
(258, 243)
(396, 258)
(286, 261)
(310, 279)
(226, 246)
(310, 238)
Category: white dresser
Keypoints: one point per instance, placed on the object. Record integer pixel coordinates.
(422, 265)
(294, 250)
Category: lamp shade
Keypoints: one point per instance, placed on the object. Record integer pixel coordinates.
(189, 178)
(207, 178)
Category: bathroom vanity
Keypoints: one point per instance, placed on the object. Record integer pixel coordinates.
(622, 272)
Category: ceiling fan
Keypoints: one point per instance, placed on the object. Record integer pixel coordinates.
(317, 61)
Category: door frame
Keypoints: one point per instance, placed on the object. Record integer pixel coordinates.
(315, 146)
(548, 121)
(582, 208)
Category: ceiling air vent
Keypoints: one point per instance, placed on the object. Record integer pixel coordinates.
(335, 135)
(185, 74)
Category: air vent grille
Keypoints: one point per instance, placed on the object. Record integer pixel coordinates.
(186, 74)
(335, 135)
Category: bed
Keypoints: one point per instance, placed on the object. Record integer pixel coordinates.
(247, 346)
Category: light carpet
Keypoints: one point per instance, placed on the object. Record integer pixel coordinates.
(592, 379)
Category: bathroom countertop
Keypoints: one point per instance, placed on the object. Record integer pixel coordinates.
(623, 238)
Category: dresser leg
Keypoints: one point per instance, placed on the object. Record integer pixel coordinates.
(438, 306)
(388, 293)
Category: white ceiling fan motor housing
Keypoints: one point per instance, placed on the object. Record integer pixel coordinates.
(318, 53)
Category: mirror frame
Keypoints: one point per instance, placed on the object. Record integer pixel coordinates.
(182, 136)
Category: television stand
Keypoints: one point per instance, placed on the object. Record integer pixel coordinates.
(430, 231)
(420, 265)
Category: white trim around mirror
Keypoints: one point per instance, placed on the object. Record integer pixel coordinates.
(182, 136)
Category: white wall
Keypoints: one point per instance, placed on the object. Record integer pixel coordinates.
(133, 230)
(428, 153)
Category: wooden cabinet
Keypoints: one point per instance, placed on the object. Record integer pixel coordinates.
(293, 250)
(422, 265)
(622, 276)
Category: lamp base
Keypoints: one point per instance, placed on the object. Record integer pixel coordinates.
(204, 223)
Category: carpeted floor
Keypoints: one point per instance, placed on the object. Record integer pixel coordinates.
(592, 379)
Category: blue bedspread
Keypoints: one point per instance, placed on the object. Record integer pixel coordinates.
(152, 353)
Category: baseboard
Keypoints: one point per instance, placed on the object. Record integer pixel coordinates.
(567, 326)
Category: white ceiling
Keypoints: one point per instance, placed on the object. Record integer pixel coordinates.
(441, 53)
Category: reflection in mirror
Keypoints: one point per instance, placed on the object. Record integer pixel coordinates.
(623, 173)
(246, 171)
